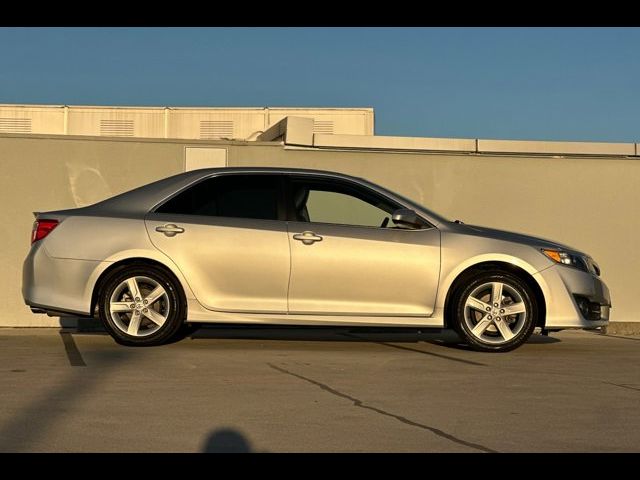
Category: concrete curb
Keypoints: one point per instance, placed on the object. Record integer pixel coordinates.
(622, 328)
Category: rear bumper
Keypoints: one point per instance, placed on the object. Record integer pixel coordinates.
(563, 288)
(57, 285)
(55, 312)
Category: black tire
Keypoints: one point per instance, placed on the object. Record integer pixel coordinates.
(175, 320)
(492, 340)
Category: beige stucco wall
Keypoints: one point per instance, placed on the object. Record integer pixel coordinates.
(586, 202)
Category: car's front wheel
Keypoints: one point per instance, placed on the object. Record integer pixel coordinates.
(141, 305)
(495, 311)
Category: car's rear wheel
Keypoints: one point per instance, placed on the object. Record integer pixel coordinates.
(494, 311)
(141, 305)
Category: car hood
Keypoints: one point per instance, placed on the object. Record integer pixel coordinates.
(513, 237)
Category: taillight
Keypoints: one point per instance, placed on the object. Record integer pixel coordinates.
(42, 228)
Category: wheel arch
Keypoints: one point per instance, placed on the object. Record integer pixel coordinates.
(496, 265)
(131, 261)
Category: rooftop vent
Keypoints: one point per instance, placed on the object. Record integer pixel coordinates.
(323, 127)
(213, 129)
(116, 128)
(15, 125)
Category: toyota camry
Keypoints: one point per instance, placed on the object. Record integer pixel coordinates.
(300, 247)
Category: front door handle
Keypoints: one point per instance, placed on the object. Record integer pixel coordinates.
(307, 237)
(170, 230)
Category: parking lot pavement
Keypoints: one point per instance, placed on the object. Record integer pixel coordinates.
(317, 390)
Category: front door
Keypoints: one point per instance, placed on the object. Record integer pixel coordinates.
(348, 258)
(228, 236)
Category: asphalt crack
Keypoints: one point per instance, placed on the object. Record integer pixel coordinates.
(416, 350)
(623, 385)
(406, 421)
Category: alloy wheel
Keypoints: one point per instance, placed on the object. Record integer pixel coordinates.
(139, 306)
(495, 312)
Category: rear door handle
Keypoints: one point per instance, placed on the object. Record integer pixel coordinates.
(170, 230)
(307, 237)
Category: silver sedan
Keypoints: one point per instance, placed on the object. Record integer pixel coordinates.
(300, 247)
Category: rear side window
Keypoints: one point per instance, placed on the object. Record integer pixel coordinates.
(239, 196)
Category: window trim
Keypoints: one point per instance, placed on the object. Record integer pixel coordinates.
(290, 210)
(281, 198)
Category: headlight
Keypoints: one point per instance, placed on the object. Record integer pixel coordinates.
(567, 258)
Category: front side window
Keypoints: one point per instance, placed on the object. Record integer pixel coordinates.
(321, 201)
(239, 196)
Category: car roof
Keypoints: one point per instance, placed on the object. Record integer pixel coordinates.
(141, 200)
(266, 170)
(138, 202)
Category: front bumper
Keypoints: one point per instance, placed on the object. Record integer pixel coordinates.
(563, 287)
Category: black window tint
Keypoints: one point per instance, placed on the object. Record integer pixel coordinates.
(241, 196)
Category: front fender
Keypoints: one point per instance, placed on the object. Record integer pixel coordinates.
(461, 252)
(452, 274)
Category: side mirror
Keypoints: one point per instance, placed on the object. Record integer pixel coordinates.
(407, 218)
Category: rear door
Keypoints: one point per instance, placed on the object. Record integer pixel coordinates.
(228, 236)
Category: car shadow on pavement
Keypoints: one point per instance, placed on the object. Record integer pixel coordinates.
(383, 335)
